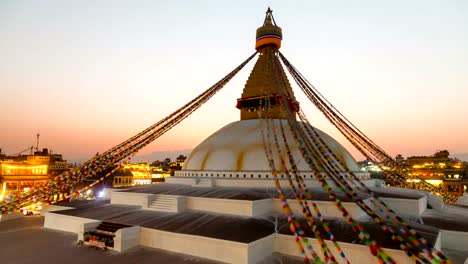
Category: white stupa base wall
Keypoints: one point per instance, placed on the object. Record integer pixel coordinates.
(234, 207)
(229, 251)
(127, 238)
(355, 253)
(86, 227)
(409, 207)
(54, 208)
(454, 240)
(235, 252)
(250, 182)
(65, 223)
(129, 198)
(205, 247)
(327, 209)
(230, 206)
(11, 216)
(463, 200)
(166, 203)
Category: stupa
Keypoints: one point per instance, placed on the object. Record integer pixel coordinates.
(236, 151)
(224, 206)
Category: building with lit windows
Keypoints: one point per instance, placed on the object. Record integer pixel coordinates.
(21, 173)
(439, 169)
(141, 173)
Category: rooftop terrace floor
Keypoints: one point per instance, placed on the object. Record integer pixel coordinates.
(251, 194)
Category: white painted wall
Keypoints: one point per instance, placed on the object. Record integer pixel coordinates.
(355, 253)
(210, 248)
(224, 206)
(230, 206)
(127, 238)
(65, 222)
(262, 207)
(11, 216)
(86, 227)
(412, 207)
(129, 198)
(328, 209)
(54, 208)
(251, 183)
(166, 203)
(455, 210)
(260, 249)
(454, 240)
(463, 200)
(106, 193)
(229, 251)
(435, 201)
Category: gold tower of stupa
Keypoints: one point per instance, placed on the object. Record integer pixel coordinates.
(262, 84)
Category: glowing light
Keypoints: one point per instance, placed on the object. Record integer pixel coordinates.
(100, 194)
(434, 182)
(2, 195)
(9, 169)
(413, 180)
(138, 181)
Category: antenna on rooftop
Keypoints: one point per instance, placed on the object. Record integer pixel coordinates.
(37, 141)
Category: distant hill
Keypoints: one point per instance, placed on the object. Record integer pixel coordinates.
(161, 155)
(461, 156)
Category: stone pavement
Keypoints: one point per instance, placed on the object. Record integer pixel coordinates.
(25, 241)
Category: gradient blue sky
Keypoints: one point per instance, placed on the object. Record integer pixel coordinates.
(87, 75)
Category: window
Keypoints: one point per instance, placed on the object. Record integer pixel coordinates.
(452, 188)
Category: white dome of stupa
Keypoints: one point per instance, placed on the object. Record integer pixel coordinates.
(239, 146)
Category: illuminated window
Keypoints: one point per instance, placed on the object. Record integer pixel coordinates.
(452, 188)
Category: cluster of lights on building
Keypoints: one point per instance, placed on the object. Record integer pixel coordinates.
(437, 169)
(133, 174)
(19, 173)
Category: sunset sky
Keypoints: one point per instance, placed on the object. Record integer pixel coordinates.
(87, 75)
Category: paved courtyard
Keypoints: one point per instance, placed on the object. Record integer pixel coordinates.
(25, 241)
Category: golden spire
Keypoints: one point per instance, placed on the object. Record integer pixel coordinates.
(267, 81)
(269, 34)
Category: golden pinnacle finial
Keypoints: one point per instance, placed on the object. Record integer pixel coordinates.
(269, 34)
